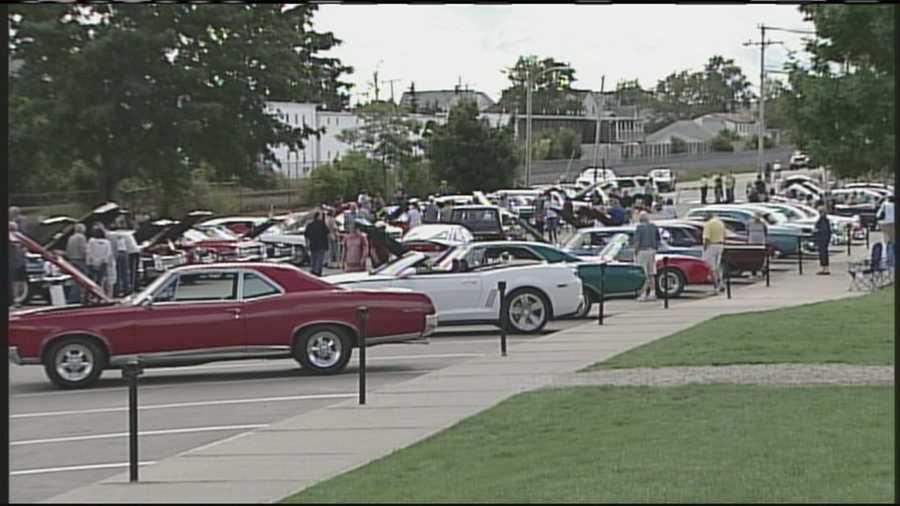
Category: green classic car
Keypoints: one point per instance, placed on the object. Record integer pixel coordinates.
(622, 279)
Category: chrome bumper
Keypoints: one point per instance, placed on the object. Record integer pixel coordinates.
(431, 323)
(15, 358)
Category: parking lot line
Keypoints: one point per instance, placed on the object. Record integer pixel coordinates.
(87, 467)
(183, 405)
(188, 430)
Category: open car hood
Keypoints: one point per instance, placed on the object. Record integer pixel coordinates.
(83, 281)
(105, 214)
(374, 234)
(183, 224)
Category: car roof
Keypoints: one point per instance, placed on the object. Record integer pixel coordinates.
(475, 206)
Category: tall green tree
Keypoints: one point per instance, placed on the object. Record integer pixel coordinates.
(842, 110)
(386, 134)
(552, 91)
(720, 87)
(150, 91)
(470, 154)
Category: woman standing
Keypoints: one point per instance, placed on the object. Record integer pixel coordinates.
(823, 239)
(101, 260)
(355, 251)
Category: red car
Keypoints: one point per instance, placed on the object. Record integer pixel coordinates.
(201, 313)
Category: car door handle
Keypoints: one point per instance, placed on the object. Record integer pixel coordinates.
(470, 282)
(236, 312)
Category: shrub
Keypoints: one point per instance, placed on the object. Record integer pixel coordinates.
(721, 144)
(678, 145)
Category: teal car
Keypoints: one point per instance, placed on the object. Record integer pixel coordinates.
(622, 279)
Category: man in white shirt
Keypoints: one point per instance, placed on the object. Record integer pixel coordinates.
(414, 216)
(886, 222)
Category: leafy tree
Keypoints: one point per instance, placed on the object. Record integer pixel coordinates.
(720, 87)
(153, 90)
(752, 142)
(551, 92)
(386, 134)
(344, 178)
(842, 110)
(678, 145)
(470, 154)
(722, 142)
(558, 144)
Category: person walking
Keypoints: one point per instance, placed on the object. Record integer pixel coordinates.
(350, 216)
(76, 253)
(704, 189)
(717, 187)
(123, 243)
(646, 242)
(823, 240)
(757, 234)
(713, 244)
(18, 273)
(355, 251)
(413, 216)
(553, 224)
(316, 234)
(730, 183)
(101, 260)
(649, 196)
(886, 223)
(669, 211)
(431, 211)
(334, 239)
(540, 213)
(15, 216)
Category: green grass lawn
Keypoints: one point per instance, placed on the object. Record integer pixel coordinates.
(714, 443)
(858, 330)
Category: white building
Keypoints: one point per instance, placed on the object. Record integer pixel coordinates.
(327, 147)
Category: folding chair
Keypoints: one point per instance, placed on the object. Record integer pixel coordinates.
(867, 274)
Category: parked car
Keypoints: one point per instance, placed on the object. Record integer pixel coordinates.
(464, 288)
(203, 313)
(588, 242)
(682, 270)
(784, 240)
(435, 239)
(862, 202)
(799, 160)
(592, 175)
(664, 178)
(621, 279)
(282, 235)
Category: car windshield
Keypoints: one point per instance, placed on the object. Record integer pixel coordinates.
(428, 232)
(615, 246)
(217, 232)
(400, 265)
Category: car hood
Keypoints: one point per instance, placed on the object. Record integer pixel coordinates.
(70, 310)
(105, 214)
(83, 281)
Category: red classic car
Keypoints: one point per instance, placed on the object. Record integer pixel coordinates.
(201, 313)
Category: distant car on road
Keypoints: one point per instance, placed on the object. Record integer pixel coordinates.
(197, 314)
(593, 175)
(799, 160)
(664, 178)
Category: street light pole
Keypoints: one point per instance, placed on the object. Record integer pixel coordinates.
(528, 127)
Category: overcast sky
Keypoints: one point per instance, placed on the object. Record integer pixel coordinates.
(436, 45)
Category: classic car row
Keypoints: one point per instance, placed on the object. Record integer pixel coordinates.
(209, 312)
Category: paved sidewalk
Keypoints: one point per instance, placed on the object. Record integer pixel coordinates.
(268, 464)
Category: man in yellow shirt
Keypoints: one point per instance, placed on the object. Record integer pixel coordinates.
(713, 244)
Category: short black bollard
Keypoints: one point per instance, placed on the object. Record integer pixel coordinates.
(867, 238)
(768, 267)
(664, 284)
(501, 290)
(849, 239)
(362, 316)
(728, 282)
(602, 295)
(130, 371)
(800, 254)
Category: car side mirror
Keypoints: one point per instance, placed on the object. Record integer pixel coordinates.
(149, 302)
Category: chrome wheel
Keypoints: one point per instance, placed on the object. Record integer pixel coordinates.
(527, 312)
(75, 362)
(324, 349)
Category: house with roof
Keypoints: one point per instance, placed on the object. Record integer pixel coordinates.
(443, 100)
(741, 123)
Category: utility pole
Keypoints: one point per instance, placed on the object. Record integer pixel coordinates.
(391, 82)
(600, 106)
(761, 121)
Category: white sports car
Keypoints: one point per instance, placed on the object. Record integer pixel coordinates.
(464, 288)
